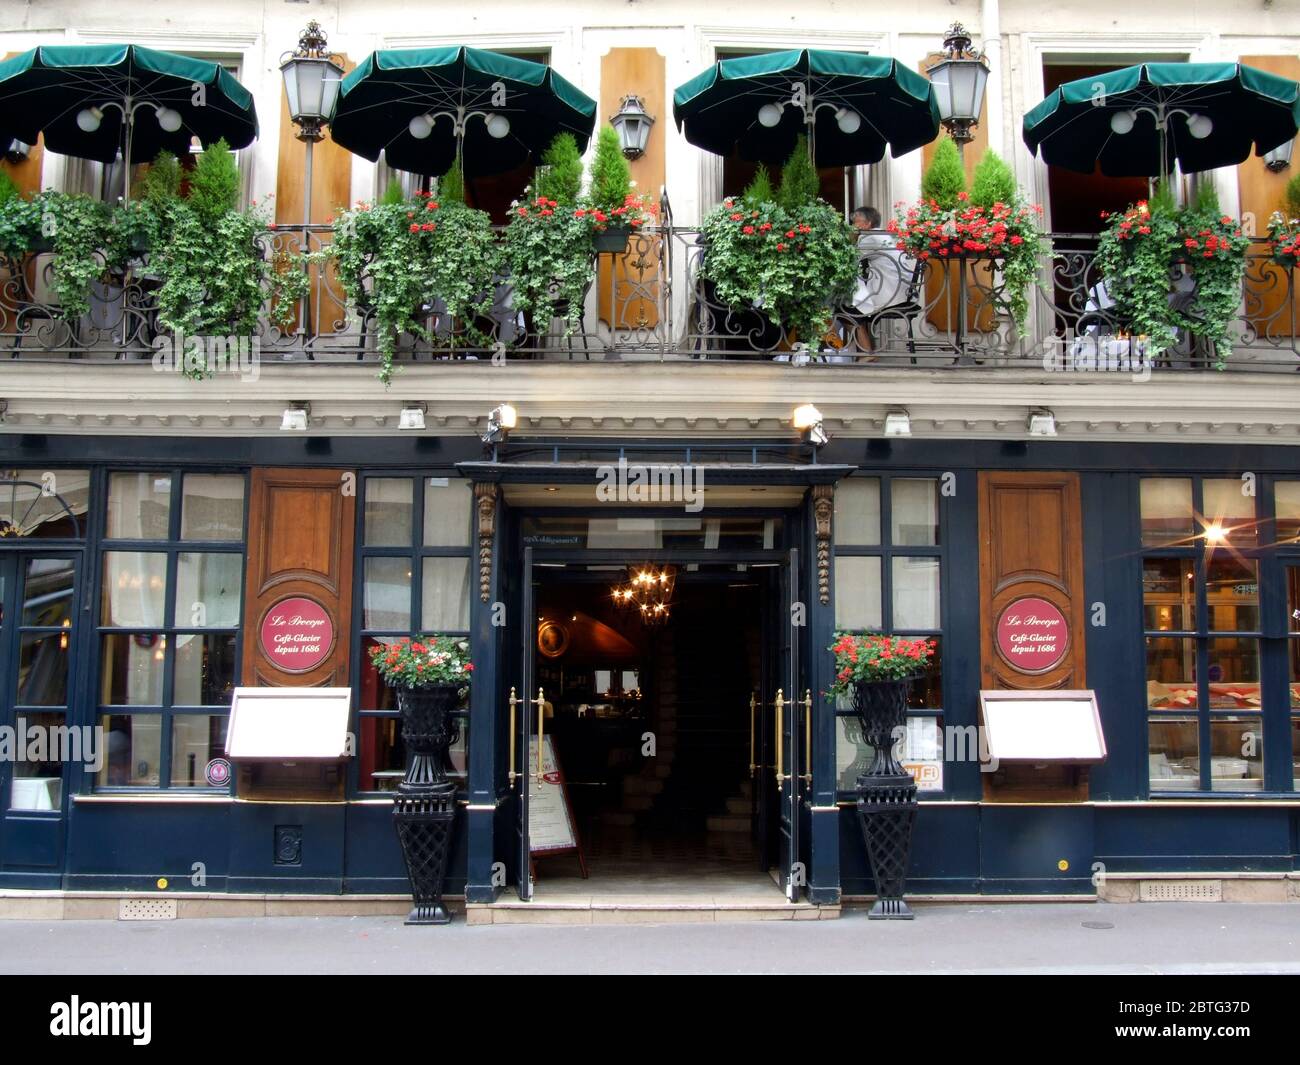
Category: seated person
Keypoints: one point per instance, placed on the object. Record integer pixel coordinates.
(885, 272)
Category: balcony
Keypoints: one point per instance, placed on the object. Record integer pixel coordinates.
(653, 304)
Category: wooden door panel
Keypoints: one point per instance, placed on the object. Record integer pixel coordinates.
(301, 525)
(1030, 549)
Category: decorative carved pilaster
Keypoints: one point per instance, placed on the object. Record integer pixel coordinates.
(823, 514)
(485, 493)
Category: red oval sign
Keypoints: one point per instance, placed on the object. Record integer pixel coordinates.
(297, 634)
(1033, 635)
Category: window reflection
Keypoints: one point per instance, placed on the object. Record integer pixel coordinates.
(48, 744)
(134, 750)
(1169, 594)
(196, 740)
(44, 504)
(1232, 593)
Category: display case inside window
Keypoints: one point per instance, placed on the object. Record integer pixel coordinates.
(133, 750)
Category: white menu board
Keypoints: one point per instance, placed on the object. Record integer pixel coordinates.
(288, 723)
(1043, 726)
(550, 825)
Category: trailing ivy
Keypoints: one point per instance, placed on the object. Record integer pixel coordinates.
(396, 259)
(794, 266)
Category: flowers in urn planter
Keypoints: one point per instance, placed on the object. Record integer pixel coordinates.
(864, 658)
(423, 661)
(1004, 231)
(1284, 240)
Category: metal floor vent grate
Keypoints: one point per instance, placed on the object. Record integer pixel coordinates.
(1181, 891)
(146, 910)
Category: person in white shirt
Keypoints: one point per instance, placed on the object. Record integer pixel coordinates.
(885, 272)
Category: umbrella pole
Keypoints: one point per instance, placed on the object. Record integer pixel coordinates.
(128, 123)
(846, 194)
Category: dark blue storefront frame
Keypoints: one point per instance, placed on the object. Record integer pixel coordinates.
(128, 842)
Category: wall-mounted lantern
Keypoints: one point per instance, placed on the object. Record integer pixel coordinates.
(632, 124)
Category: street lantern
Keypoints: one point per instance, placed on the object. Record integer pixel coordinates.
(633, 126)
(311, 80)
(959, 80)
(1279, 158)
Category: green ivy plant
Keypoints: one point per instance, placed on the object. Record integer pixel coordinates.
(1214, 249)
(791, 265)
(394, 259)
(550, 260)
(79, 230)
(1134, 255)
(1139, 250)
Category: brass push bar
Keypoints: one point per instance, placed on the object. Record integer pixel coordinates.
(753, 709)
(807, 734)
(780, 736)
(514, 702)
(541, 730)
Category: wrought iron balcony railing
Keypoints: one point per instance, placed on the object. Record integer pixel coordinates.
(656, 302)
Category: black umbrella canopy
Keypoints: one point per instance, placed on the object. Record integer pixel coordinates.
(861, 105)
(1213, 114)
(497, 110)
(76, 96)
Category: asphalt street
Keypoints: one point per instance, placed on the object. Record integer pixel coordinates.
(1166, 938)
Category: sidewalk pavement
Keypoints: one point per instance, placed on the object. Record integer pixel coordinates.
(1027, 938)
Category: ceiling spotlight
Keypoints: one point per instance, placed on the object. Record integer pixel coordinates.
(412, 417)
(89, 118)
(808, 420)
(295, 418)
(1042, 423)
(769, 115)
(500, 421)
(848, 120)
(898, 423)
(420, 126)
(1200, 126)
(1122, 122)
(169, 119)
(497, 126)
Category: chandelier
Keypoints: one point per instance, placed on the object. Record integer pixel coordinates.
(649, 589)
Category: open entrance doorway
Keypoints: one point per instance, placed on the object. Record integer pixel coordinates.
(662, 730)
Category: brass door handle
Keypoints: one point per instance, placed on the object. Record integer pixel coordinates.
(807, 732)
(753, 709)
(514, 702)
(780, 736)
(540, 702)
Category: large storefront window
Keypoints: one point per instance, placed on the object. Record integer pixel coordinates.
(171, 597)
(415, 579)
(888, 578)
(1204, 634)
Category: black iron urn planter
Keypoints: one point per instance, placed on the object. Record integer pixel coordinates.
(424, 809)
(886, 794)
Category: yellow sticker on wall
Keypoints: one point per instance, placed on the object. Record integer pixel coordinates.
(1063, 865)
(162, 883)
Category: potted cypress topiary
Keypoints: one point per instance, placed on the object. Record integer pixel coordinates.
(609, 194)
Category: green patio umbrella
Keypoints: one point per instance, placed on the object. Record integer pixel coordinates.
(92, 101)
(1135, 121)
(420, 105)
(852, 106)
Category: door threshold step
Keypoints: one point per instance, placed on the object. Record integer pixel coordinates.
(611, 909)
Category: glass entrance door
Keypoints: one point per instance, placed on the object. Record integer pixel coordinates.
(37, 638)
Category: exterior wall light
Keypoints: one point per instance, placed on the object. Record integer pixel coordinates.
(1279, 158)
(898, 423)
(295, 418)
(1042, 423)
(808, 420)
(500, 421)
(632, 123)
(412, 417)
